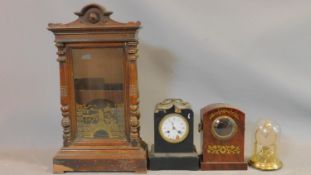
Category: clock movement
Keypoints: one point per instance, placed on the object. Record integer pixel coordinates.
(99, 94)
(173, 147)
(222, 128)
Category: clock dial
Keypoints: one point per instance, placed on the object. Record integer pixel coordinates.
(224, 127)
(174, 128)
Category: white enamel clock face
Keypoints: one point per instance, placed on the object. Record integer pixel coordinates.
(174, 128)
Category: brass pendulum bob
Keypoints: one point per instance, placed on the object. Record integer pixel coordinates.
(265, 155)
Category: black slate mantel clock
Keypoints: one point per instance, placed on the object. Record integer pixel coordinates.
(173, 147)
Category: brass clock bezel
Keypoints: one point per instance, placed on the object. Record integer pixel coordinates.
(226, 137)
(172, 140)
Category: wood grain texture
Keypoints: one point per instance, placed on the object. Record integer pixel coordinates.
(95, 29)
(129, 159)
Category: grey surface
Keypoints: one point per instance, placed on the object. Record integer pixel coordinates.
(254, 55)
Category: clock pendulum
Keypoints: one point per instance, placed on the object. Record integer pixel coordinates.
(173, 147)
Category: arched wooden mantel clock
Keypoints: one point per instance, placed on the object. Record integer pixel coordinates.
(99, 94)
(222, 129)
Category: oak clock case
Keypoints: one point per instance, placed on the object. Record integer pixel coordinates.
(173, 147)
(222, 128)
(99, 94)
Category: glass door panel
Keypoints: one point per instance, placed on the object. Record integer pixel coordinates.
(99, 92)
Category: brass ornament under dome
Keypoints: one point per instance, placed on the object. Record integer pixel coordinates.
(265, 156)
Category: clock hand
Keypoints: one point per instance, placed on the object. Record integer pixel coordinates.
(173, 126)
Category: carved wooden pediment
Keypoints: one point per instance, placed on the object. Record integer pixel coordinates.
(93, 17)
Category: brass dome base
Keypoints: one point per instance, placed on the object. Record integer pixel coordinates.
(266, 166)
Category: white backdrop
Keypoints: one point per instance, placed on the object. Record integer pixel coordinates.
(254, 55)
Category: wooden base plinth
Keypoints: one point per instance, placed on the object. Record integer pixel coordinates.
(128, 160)
(223, 166)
